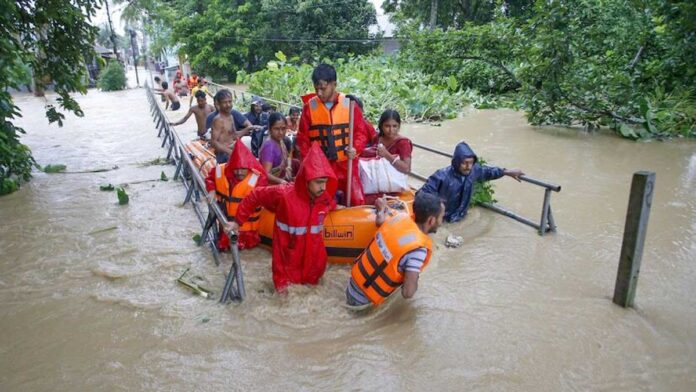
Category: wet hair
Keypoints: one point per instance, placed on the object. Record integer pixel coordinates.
(324, 72)
(200, 94)
(266, 107)
(274, 118)
(356, 99)
(165, 85)
(293, 110)
(157, 79)
(389, 114)
(426, 205)
(221, 94)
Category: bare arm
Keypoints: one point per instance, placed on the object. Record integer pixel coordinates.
(381, 209)
(246, 130)
(410, 284)
(183, 120)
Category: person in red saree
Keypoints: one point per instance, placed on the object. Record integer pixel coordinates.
(324, 119)
(389, 145)
(229, 183)
(299, 255)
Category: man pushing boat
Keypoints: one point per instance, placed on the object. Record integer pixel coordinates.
(299, 255)
(399, 252)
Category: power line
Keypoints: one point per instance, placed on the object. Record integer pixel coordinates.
(360, 40)
(298, 8)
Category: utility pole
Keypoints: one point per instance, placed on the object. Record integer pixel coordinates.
(113, 34)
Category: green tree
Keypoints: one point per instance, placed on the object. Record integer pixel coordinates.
(614, 63)
(316, 29)
(222, 37)
(453, 14)
(626, 65)
(52, 37)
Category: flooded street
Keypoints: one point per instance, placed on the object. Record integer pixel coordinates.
(88, 298)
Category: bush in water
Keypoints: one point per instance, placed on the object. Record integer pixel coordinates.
(113, 77)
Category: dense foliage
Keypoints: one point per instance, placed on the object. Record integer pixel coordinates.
(453, 13)
(113, 77)
(626, 65)
(50, 37)
(220, 37)
(392, 86)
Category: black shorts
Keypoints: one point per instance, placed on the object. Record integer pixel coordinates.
(176, 105)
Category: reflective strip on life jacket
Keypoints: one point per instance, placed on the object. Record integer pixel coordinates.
(233, 197)
(330, 127)
(376, 270)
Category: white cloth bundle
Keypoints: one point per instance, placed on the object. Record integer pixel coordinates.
(380, 176)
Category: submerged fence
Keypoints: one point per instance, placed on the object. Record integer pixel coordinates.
(546, 222)
(194, 184)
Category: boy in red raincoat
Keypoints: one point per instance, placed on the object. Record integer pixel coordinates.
(299, 255)
(230, 183)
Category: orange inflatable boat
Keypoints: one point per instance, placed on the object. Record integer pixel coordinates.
(202, 155)
(347, 231)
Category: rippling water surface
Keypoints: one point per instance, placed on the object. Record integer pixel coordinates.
(88, 299)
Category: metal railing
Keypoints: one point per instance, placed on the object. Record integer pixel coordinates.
(546, 224)
(194, 184)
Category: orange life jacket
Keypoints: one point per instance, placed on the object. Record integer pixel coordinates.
(330, 127)
(376, 270)
(232, 197)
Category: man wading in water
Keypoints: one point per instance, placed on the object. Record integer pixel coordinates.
(169, 97)
(201, 111)
(224, 133)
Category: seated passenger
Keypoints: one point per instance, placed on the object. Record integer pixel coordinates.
(229, 183)
(293, 121)
(398, 253)
(274, 155)
(391, 146)
(254, 114)
(455, 184)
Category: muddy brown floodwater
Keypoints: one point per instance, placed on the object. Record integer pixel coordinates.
(88, 299)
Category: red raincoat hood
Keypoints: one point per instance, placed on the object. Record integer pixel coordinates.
(315, 165)
(242, 158)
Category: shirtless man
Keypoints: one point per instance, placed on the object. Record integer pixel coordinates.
(201, 111)
(169, 97)
(224, 132)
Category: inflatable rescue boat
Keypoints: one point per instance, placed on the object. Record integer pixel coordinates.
(346, 232)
